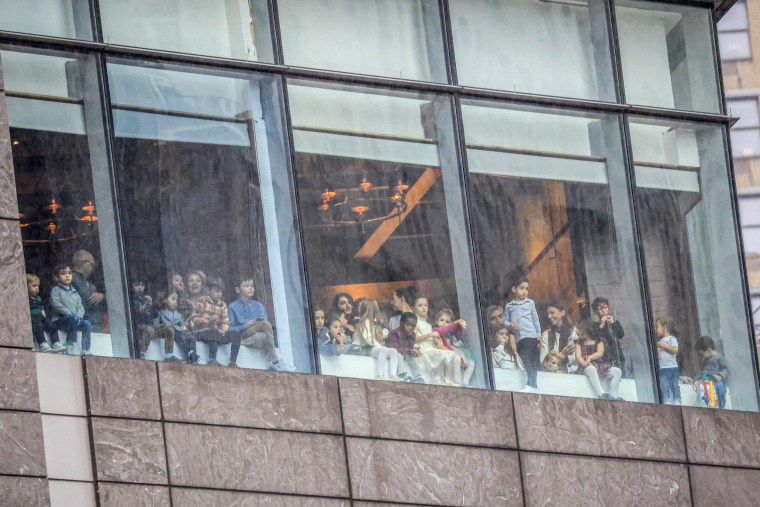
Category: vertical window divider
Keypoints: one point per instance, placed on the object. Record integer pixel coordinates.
(276, 34)
(746, 293)
(448, 42)
(298, 225)
(108, 138)
(639, 253)
(464, 172)
(716, 59)
(97, 26)
(617, 62)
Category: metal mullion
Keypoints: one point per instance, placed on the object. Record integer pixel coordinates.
(746, 292)
(448, 42)
(716, 61)
(97, 25)
(617, 61)
(275, 32)
(681, 115)
(105, 97)
(461, 148)
(298, 225)
(628, 161)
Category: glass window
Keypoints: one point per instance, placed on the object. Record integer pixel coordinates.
(382, 210)
(733, 33)
(685, 217)
(745, 134)
(65, 202)
(57, 18)
(667, 54)
(550, 209)
(734, 45)
(393, 38)
(552, 47)
(206, 205)
(225, 28)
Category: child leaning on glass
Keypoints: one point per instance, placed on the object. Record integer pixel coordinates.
(68, 310)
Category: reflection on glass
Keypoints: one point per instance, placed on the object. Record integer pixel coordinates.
(384, 233)
(686, 223)
(226, 28)
(57, 18)
(548, 47)
(393, 38)
(668, 57)
(205, 199)
(65, 203)
(550, 209)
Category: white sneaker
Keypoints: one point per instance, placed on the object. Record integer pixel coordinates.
(529, 389)
(57, 347)
(44, 347)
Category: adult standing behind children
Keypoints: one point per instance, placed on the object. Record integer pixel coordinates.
(249, 326)
(94, 301)
(521, 318)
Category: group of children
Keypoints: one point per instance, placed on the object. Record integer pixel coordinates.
(185, 314)
(179, 315)
(405, 347)
(518, 343)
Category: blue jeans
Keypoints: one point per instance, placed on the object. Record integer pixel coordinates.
(720, 390)
(671, 390)
(70, 324)
(527, 349)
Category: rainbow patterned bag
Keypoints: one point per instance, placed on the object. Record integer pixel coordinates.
(707, 394)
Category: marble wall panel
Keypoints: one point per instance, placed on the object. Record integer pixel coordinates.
(15, 322)
(184, 497)
(713, 486)
(128, 450)
(123, 387)
(21, 444)
(24, 491)
(251, 398)
(602, 428)
(438, 474)
(256, 460)
(722, 437)
(133, 495)
(8, 199)
(18, 380)
(555, 479)
(427, 413)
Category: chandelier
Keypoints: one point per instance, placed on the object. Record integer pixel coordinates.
(59, 222)
(364, 204)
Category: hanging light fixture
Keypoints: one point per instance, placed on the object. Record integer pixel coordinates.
(367, 202)
(90, 216)
(54, 206)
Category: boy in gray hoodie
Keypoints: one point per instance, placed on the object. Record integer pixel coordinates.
(521, 318)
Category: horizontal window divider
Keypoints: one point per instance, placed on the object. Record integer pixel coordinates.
(158, 56)
(180, 114)
(536, 153)
(45, 98)
(368, 135)
(679, 114)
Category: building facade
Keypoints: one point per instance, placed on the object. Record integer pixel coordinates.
(501, 196)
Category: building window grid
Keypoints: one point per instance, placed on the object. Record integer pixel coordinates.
(455, 91)
(733, 34)
(745, 134)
